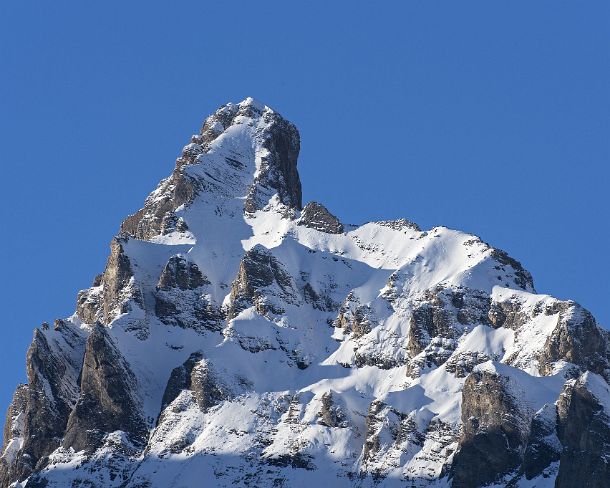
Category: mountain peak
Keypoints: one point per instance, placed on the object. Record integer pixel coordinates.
(252, 102)
(244, 155)
(237, 339)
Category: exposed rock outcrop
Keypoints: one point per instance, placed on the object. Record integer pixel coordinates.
(578, 340)
(197, 376)
(495, 431)
(108, 399)
(278, 167)
(438, 318)
(181, 273)
(354, 318)
(584, 431)
(260, 279)
(523, 278)
(331, 414)
(181, 298)
(111, 291)
(316, 216)
(158, 217)
(39, 412)
(543, 445)
(13, 437)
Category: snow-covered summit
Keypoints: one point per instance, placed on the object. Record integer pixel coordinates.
(240, 338)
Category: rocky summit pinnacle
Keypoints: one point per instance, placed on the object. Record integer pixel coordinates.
(237, 338)
(243, 155)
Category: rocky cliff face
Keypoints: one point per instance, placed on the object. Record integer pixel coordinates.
(238, 338)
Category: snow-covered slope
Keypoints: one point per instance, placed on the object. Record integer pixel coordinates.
(238, 339)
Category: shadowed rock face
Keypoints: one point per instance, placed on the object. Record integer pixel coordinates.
(506, 314)
(354, 317)
(14, 431)
(180, 273)
(107, 402)
(494, 432)
(12, 427)
(39, 411)
(278, 173)
(584, 430)
(116, 277)
(180, 297)
(435, 324)
(427, 321)
(258, 270)
(523, 278)
(157, 217)
(316, 216)
(576, 339)
(330, 414)
(543, 445)
(195, 375)
(110, 293)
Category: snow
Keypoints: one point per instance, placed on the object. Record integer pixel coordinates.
(534, 392)
(256, 355)
(599, 388)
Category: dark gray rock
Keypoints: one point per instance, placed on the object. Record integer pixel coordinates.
(89, 305)
(316, 216)
(373, 422)
(355, 320)
(278, 169)
(157, 217)
(111, 292)
(433, 327)
(584, 430)
(523, 278)
(319, 300)
(197, 376)
(44, 404)
(507, 314)
(277, 173)
(495, 432)
(14, 430)
(399, 224)
(108, 401)
(89, 302)
(206, 386)
(461, 365)
(427, 321)
(389, 431)
(180, 298)
(543, 446)
(188, 310)
(259, 271)
(577, 339)
(330, 414)
(181, 273)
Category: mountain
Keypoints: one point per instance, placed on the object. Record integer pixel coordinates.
(237, 338)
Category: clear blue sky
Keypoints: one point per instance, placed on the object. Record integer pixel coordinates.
(490, 117)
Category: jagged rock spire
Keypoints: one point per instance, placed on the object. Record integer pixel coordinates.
(244, 151)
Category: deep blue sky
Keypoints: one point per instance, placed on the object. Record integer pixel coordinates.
(491, 117)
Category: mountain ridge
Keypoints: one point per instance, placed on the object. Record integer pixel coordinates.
(239, 336)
